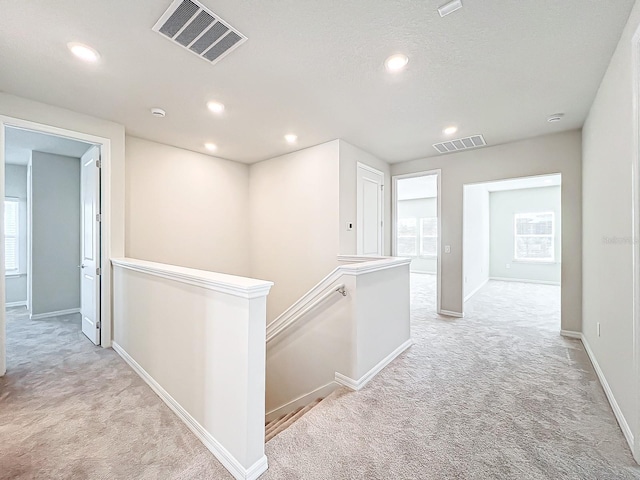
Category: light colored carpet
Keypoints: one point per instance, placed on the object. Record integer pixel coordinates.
(495, 395)
(498, 394)
(71, 410)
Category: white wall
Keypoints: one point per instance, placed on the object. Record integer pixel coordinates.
(476, 242)
(608, 144)
(420, 208)
(294, 217)
(55, 227)
(185, 208)
(349, 158)
(558, 153)
(16, 186)
(504, 205)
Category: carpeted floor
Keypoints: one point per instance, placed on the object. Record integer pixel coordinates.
(498, 394)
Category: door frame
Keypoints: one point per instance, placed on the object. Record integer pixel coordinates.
(105, 206)
(375, 171)
(394, 224)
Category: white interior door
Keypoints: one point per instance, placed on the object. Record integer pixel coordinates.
(370, 205)
(90, 245)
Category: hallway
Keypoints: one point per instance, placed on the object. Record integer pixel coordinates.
(498, 394)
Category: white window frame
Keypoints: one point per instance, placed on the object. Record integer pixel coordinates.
(415, 237)
(552, 259)
(422, 254)
(14, 271)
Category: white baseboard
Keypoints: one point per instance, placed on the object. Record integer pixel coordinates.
(624, 426)
(59, 313)
(449, 313)
(367, 377)
(571, 334)
(16, 304)
(222, 454)
(522, 280)
(301, 401)
(476, 290)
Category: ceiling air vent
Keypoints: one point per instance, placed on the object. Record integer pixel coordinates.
(460, 144)
(196, 28)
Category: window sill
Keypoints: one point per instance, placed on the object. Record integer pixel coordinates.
(14, 275)
(536, 262)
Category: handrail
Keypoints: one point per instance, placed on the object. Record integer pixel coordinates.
(299, 308)
(282, 327)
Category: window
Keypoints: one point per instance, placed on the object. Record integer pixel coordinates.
(534, 237)
(407, 236)
(429, 236)
(11, 219)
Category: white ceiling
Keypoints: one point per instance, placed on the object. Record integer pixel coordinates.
(20, 143)
(495, 67)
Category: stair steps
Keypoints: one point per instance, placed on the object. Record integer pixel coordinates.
(274, 427)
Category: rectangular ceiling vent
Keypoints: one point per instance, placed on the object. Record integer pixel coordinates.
(460, 144)
(196, 28)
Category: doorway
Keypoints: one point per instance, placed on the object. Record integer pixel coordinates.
(52, 230)
(417, 226)
(512, 247)
(370, 211)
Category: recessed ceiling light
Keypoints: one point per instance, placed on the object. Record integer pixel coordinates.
(450, 130)
(158, 112)
(449, 8)
(215, 107)
(84, 52)
(291, 138)
(212, 147)
(396, 63)
(556, 117)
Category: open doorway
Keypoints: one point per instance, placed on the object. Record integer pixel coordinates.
(416, 213)
(512, 247)
(52, 232)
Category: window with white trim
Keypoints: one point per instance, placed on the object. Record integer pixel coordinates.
(429, 237)
(534, 237)
(11, 234)
(407, 237)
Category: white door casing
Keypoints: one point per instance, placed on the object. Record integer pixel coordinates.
(370, 211)
(90, 245)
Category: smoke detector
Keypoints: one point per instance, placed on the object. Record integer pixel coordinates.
(158, 112)
(197, 29)
(556, 117)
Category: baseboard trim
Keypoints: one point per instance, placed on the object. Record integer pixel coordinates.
(521, 280)
(571, 334)
(367, 377)
(59, 313)
(449, 313)
(476, 290)
(624, 426)
(16, 304)
(301, 401)
(222, 454)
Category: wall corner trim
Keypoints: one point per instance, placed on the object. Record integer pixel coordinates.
(221, 453)
(367, 377)
(571, 334)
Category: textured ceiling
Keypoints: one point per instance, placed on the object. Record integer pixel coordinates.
(495, 67)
